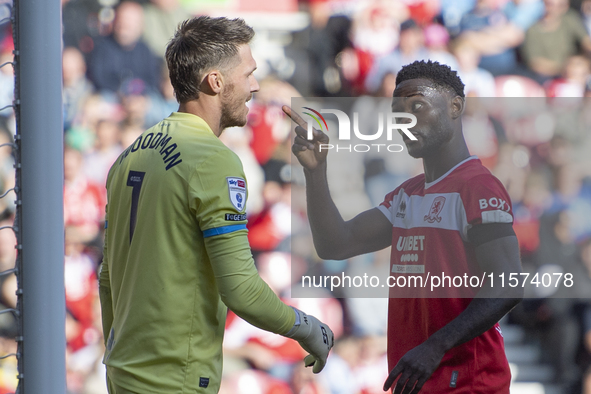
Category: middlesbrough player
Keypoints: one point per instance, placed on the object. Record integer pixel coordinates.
(455, 218)
(176, 252)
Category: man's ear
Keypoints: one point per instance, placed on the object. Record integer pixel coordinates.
(457, 106)
(213, 82)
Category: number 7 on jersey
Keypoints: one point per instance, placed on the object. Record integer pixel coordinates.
(134, 179)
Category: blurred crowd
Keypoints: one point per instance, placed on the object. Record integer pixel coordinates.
(116, 85)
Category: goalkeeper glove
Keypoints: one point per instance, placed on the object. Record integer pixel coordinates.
(314, 337)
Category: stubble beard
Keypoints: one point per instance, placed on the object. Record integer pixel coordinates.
(231, 110)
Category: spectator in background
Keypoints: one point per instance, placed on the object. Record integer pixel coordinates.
(436, 40)
(573, 79)
(82, 132)
(423, 11)
(452, 12)
(81, 291)
(490, 31)
(136, 102)
(77, 88)
(557, 36)
(84, 348)
(269, 227)
(572, 198)
(573, 123)
(328, 42)
(375, 33)
(523, 13)
(123, 57)
(376, 27)
(479, 82)
(106, 149)
(84, 205)
(496, 29)
(80, 20)
(411, 47)
(162, 17)
(527, 212)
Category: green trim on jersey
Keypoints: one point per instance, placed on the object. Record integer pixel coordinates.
(176, 253)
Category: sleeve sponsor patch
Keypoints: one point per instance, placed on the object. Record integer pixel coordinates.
(235, 217)
(237, 190)
(493, 202)
(497, 216)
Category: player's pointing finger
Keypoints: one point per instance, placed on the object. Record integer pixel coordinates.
(302, 128)
(294, 116)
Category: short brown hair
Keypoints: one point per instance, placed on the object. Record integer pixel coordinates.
(199, 45)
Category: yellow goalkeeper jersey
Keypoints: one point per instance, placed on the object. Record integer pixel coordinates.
(176, 253)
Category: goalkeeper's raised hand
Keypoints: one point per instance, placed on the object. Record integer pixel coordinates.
(314, 337)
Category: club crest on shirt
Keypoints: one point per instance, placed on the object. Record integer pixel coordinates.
(435, 210)
(237, 190)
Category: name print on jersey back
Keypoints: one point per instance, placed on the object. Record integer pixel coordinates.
(161, 141)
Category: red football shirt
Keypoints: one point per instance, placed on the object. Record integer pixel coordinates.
(430, 223)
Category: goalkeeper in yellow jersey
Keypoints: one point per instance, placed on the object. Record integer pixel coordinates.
(176, 250)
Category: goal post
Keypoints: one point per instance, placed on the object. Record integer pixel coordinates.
(40, 221)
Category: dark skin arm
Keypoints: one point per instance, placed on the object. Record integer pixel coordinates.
(334, 238)
(486, 309)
